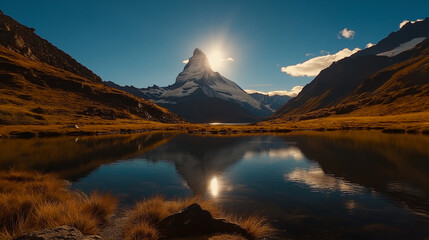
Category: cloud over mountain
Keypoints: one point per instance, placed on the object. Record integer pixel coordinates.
(313, 66)
(291, 93)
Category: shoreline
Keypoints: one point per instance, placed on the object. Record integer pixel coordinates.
(417, 123)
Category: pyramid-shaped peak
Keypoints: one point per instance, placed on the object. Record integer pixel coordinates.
(198, 51)
(197, 67)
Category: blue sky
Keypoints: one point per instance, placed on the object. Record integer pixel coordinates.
(142, 43)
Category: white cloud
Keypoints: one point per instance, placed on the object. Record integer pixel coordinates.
(229, 59)
(407, 21)
(346, 33)
(185, 61)
(309, 54)
(313, 66)
(291, 93)
(369, 45)
(324, 52)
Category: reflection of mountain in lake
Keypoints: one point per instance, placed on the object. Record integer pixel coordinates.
(73, 158)
(199, 159)
(396, 166)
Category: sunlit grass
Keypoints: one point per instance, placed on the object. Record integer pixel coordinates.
(142, 219)
(33, 201)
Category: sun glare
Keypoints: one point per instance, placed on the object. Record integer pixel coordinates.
(216, 59)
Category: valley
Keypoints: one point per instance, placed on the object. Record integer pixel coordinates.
(268, 135)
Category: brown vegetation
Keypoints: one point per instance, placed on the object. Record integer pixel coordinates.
(35, 93)
(32, 201)
(142, 219)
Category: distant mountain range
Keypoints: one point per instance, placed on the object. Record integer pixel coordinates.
(42, 85)
(391, 77)
(272, 102)
(202, 95)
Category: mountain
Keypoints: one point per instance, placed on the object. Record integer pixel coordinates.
(202, 95)
(41, 85)
(22, 40)
(272, 102)
(344, 80)
(400, 88)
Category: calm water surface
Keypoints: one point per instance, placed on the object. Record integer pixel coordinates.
(339, 185)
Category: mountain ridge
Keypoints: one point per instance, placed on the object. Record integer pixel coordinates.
(23, 40)
(337, 82)
(198, 89)
(34, 92)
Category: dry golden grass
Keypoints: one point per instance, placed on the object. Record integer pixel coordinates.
(33, 201)
(142, 219)
(257, 226)
(227, 237)
(415, 122)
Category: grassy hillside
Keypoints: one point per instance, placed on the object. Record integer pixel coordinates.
(400, 89)
(35, 93)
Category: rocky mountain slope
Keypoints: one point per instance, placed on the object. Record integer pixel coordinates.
(42, 85)
(23, 40)
(327, 93)
(202, 95)
(272, 102)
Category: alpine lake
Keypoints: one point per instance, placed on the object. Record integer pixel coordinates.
(309, 185)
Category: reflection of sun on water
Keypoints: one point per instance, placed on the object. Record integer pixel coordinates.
(214, 186)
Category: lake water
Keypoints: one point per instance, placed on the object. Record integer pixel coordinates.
(335, 185)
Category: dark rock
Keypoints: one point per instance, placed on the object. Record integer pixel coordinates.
(16, 134)
(48, 134)
(59, 233)
(393, 130)
(194, 221)
(38, 110)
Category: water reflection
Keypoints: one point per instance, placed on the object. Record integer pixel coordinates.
(73, 158)
(319, 185)
(276, 154)
(214, 187)
(395, 165)
(319, 181)
(198, 159)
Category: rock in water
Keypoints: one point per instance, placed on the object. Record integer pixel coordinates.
(58, 233)
(194, 221)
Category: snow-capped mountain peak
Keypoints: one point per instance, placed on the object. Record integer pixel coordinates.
(198, 88)
(198, 67)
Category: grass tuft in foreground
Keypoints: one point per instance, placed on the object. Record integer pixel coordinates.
(142, 219)
(33, 201)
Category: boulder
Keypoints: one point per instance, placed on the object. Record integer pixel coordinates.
(194, 221)
(58, 233)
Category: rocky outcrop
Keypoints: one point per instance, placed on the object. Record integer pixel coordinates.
(194, 222)
(58, 233)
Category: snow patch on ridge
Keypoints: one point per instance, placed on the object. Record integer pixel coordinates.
(402, 47)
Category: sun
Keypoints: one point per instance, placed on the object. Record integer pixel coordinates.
(216, 59)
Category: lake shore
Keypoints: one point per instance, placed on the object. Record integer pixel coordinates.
(31, 201)
(413, 123)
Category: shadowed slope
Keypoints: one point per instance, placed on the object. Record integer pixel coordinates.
(24, 41)
(33, 92)
(348, 78)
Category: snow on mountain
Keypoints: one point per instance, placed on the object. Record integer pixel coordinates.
(198, 75)
(402, 47)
